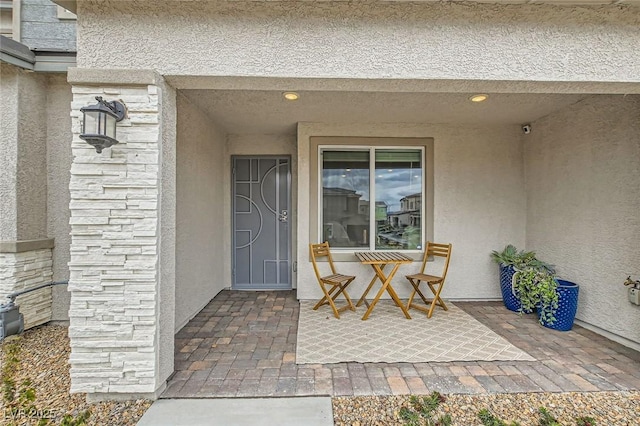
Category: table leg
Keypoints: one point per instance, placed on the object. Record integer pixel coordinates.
(395, 297)
(363, 299)
(385, 283)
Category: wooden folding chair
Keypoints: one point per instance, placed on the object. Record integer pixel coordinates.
(434, 282)
(332, 285)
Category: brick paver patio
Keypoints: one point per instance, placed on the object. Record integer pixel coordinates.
(243, 344)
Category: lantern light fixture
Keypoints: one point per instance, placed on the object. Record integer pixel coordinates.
(99, 123)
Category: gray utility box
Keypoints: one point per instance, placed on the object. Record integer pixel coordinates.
(11, 321)
(634, 295)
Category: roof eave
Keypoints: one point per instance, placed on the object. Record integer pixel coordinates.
(70, 5)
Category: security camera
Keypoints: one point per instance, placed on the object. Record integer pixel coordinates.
(526, 129)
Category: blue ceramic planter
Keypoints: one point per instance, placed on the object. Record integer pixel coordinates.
(567, 306)
(506, 286)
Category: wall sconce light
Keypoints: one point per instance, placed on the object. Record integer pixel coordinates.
(99, 123)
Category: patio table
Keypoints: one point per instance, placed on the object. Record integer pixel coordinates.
(378, 261)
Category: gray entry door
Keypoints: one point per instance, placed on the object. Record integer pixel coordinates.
(261, 223)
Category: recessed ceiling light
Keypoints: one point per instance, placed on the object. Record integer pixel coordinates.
(291, 96)
(479, 97)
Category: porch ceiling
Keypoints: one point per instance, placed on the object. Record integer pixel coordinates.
(267, 112)
(72, 5)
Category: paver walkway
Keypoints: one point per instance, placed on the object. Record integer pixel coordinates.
(242, 344)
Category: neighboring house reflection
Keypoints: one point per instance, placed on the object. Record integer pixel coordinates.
(345, 217)
(402, 229)
(409, 213)
(346, 220)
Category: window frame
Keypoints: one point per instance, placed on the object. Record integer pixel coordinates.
(424, 191)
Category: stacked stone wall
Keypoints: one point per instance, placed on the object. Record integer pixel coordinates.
(114, 248)
(25, 270)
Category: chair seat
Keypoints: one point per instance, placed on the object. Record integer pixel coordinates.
(337, 278)
(424, 277)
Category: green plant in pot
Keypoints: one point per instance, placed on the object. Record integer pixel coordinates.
(511, 261)
(537, 289)
(510, 256)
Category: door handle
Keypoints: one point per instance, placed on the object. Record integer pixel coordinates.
(283, 216)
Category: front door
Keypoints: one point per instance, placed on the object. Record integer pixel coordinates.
(261, 230)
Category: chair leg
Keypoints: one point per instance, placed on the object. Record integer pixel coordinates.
(416, 289)
(346, 295)
(436, 298)
(332, 294)
(429, 304)
(342, 289)
(413, 293)
(324, 301)
(329, 300)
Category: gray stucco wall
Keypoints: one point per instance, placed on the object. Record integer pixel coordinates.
(583, 204)
(199, 211)
(35, 164)
(32, 157)
(166, 302)
(42, 30)
(9, 76)
(445, 40)
(58, 174)
(23, 186)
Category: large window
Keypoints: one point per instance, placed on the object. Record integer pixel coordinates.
(352, 177)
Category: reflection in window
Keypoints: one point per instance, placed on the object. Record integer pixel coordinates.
(398, 185)
(347, 217)
(345, 198)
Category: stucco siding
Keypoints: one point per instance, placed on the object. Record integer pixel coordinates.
(479, 203)
(166, 291)
(583, 204)
(31, 190)
(58, 175)
(446, 40)
(9, 76)
(23, 183)
(199, 211)
(23, 192)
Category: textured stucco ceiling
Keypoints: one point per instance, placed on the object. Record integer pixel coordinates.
(72, 5)
(267, 112)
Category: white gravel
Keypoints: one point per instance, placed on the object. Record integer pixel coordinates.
(44, 355)
(607, 408)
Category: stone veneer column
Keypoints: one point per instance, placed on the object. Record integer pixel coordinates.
(115, 250)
